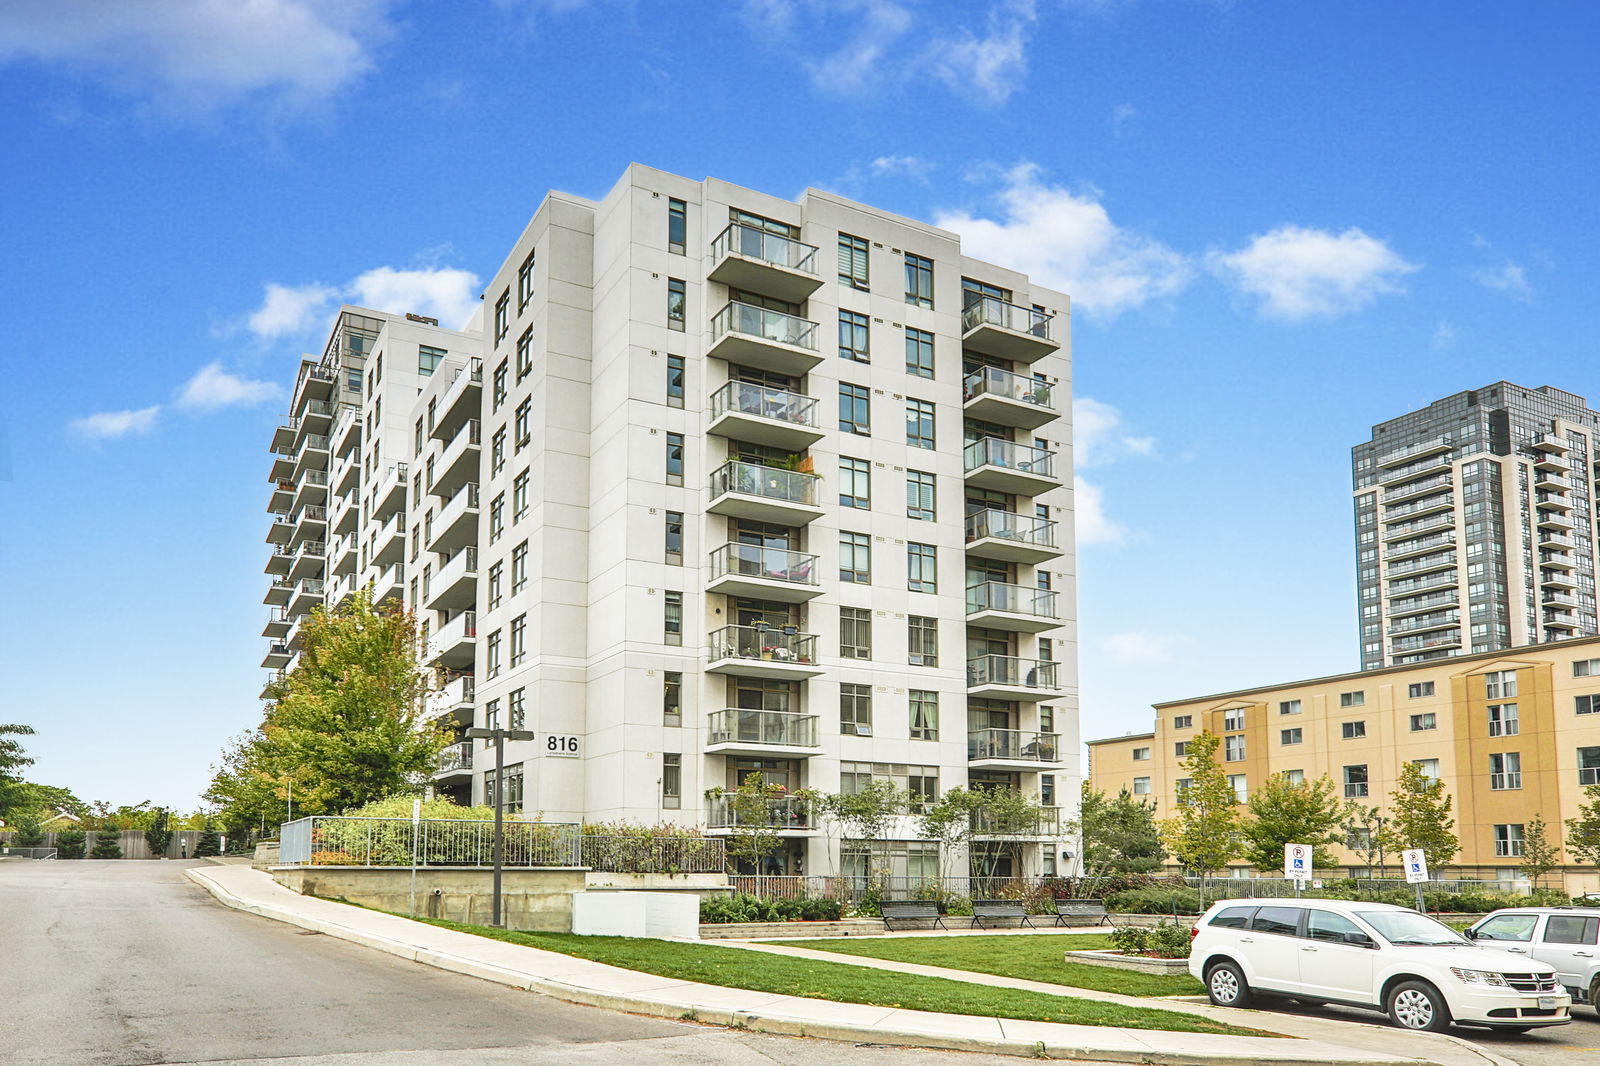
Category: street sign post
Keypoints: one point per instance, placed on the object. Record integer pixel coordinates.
(1416, 864)
(1297, 864)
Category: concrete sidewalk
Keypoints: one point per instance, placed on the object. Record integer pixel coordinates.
(581, 981)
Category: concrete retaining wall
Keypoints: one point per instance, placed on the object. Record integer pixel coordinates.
(703, 885)
(774, 930)
(533, 900)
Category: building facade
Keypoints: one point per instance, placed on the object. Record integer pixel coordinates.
(734, 484)
(1474, 525)
(1513, 734)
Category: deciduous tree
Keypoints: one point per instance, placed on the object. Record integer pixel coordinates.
(1290, 812)
(1583, 832)
(12, 759)
(1419, 817)
(1117, 835)
(1539, 854)
(1204, 835)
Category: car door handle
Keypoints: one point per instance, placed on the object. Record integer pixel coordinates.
(1583, 954)
(1308, 949)
(1518, 951)
(1247, 940)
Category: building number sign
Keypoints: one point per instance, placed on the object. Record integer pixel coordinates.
(563, 745)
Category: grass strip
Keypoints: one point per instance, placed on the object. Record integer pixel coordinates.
(1032, 958)
(843, 983)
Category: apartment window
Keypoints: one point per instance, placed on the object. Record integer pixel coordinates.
(919, 423)
(502, 316)
(1428, 767)
(1422, 722)
(1180, 748)
(855, 710)
(1141, 786)
(491, 714)
(853, 261)
(919, 352)
(674, 458)
(519, 639)
(675, 375)
(855, 409)
(674, 533)
(1352, 699)
(1241, 790)
(855, 633)
(1182, 785)
(1355, 781)
(512, 804)
(498, 386)
(523, 418)
(1047, 719)
(1503, 720)
(1047, 650)
(519, 568)
(1589, 766)
(492, 656)
(855, 558)
(1183, 721)
(1586, 668)
(1289, 707)
(517, 708)
(922, 568)
(919, 495)
(1587, 704)
(677, 302)
(922, 788)
(1047, 790)
(519, 497)
(919, 280)
(677, 226)
(1500, 684)
(497, 518)
(1233, 719)
(1505, 771)
(496, 572)
(922, 640)
(1290, 736)
(1419, 689)
(671, 779)
(428, 359)
(1352, 730)
(672, 698)
(1508, 841)
(1295, 777)
(672, 618)
(416, 444)
(524, 354)
(855, 339)
(855, 483)
(1141, 754)
(525, 283)
(1233, 749)
(497, 451)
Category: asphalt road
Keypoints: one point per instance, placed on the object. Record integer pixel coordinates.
(126, 963)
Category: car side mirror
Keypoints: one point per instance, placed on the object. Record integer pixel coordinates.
(1470, 934)
(1360, 940)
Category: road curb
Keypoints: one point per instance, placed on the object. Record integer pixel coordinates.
(758, 1022)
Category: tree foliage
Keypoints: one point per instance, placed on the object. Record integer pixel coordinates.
(1290, 812)
(1362, 827)
(1204, 835)
(107, 844)
(1117, 835)
(1419, 810)
(69, 844)
(210, 842)
(949, 822)
(158, 837)
(1539, 854)
(1583, 832)
(13, 757)
(755, 814)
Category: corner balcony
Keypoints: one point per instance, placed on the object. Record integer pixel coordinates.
(282, 466)
(767, 340)
(763, 573)
(994, 395)
(389, 542)
(307, 594)
(454, 701)
(457, 464)
(315, 382)
(1045, 825)
(270, 686)
(455, 761)
(345, 556)
(1017, 608)
(1019, 469)
(312, 454)
(455, 585)
(278, 562)
(740, 731)
(1013, 749)
(391, 494)
(460, 401)
(283, 436)
(1412, 489)
(279, 592)
(311, 488)
(790, 816)
(1555, 520)
(765, 493)
(281, 531)
(391, 584)
(346, 435)
(346, 476)
(282, 498)
(310, 523)
(1006, 677)
(277, 625)
(309, 560)
(1427, 447)
(277, 656)
(748, 257)
(455, 642)
(1006, 330)
(456, 524)
(1011, 537)
(757, 651)
(317, 416)
(777, 418)
(1556, 579)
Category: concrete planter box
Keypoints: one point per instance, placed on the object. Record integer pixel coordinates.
(1112, 960)
(778, 930)
(705, 886)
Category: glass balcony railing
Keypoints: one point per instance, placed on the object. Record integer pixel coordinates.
(1437, 620)
(773, 564)
(988, 381)
(788, 729)
(772, 482)
(313, 441)
(752, 321)
(760, 401)
(1427, 562)
(1011, 671)
(752, 242)
(762, 643)
(456, 757)
(1436, 444)
(1391, 513)
(1018, 744)
(1046, 823)
(1410, 488)
(993, 311)
(992, 451)
(1008, 525)
(311, 586)
(788, 812)
(1013, 599)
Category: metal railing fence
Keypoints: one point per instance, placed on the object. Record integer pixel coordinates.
(8, 852)
(346, 841)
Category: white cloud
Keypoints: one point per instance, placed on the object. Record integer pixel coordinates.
(1300, 273)
(993, 65)
(1098, 435)
(1123, 116)
(444, 293)
(202, 53)
(888, 166)
(1134, 649)
(858, 65)
(1509, 278)
(1444, 335)
(288, 310)
(213, 388)
(1090, 520)
(109, 425)
(1068, 242)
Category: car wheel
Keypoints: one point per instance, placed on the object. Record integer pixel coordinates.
(1418, 1005)
(1594, 995)
(1226, 986)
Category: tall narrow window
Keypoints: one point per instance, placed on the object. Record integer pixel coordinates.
(674, 458)
(525, 282)
(674, 538)
(671, 779)
(675, 382)
(919, 280)
(855, 710)
(677, 226)
(919, 495)
(524, 354)
(496, 574)
(922, 568)
(919, 352)
(672, 698)
(922, 640)
(677, 304)
(519, 497)
(491, 659)
(519, 639)
(502, 316)
(672, 618)
(855, 558)
(524, 420)
(855, 633)
(1500, 684)
(854, 337)
(855, 483)
(924, 715)
(853, 261)
(519, 568)
(499, 386)
(497, 517)
(919, 423)
(517, 709)
(855, 409)
(1505, 770)
(1503, 720)
(497, 451)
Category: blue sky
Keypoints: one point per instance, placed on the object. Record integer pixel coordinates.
(1280, 223)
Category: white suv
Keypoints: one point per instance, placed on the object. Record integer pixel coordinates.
(1373, 955)
(1567, 939)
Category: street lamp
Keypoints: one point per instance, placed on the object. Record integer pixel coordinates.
(499, 736)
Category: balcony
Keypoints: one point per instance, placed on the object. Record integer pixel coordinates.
(460, 400)
(741, 731)
(281, 531)
(282, 467)
(277, 625)
(1553, 501)
(307, 594)
(1427, 447)
(1551, 482)
(1423, 623)
(456, 524)
(1553, 541)
(1006, 677)
(297, 634)
(344, 514)
(762, 651)
(1420, 527)
(283, 436)
(1399, 609)
(312, 454)
(1006, 330)
(311, 488)
(767, 340)
(454, 761)
(1412, 489)
(391, 494)
(1422, 584)
(1020, 469)
(1442, 502)
(774, 417)
(1441, 561)
(1549, 462)
(748, 257)
(277, 656)
(1556, 579)
(1559, 601)
(454, 700)
(1000, 396)
(279, 592)
(345, 555)
(317, 416)
(789, 815)
(391, 584)
(282, 498)
(315, 382)
(1045, 825)
(1415, 644)
(1011, 537)
(455, 586)
(1555, 520)
(389, 542)
(763, 573)
(1018, 608)
(278, 562)
(458, 463)
(270, 686)
(1013, 749)
(309, 560)
(1558, 560)
(1432, 465)
(1420, 546)
(310, 523)
(764, 493)
(1549, 442)
(346, 435)
(344, 588)
(455, 642)
(1565, 623)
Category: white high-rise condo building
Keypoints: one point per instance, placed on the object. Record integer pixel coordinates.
(728, 484)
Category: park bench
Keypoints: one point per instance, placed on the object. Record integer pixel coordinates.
(905, 910)
(1082, 910)
(984, 910)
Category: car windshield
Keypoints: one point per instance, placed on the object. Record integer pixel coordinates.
(1409, 927)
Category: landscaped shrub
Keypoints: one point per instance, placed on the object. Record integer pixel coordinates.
(69, 844)
(210, 842)
(28, 834)
(744, 907)
(1155, 900)
(1131, 939)
(107, 844)
(1169, 940)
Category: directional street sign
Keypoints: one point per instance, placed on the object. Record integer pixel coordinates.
(1416, 863)
(1297, 861)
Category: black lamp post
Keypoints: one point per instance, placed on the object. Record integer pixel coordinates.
(499, 736)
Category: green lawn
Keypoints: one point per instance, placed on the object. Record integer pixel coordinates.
(844, 983)
(1035, 958)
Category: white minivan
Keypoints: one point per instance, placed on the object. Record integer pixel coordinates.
(1567, 939)
(1374, 955)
